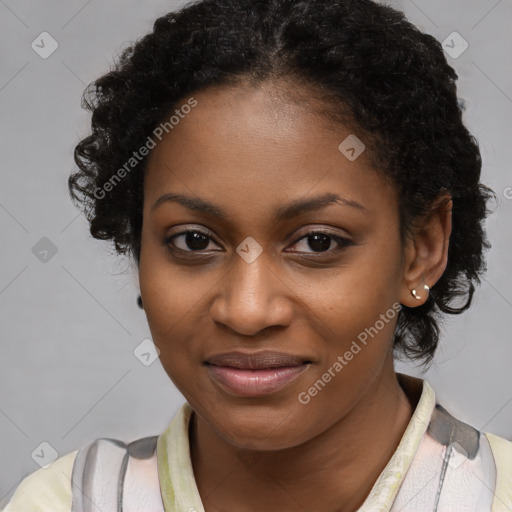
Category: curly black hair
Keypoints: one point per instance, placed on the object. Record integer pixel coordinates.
(365, 63)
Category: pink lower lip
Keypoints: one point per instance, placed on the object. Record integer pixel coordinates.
(244, 382)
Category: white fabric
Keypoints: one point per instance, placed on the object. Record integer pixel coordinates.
(467, 487)
(141, 486)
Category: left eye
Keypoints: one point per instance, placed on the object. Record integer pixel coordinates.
(319, 241)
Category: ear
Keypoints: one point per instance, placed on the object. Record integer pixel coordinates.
(426, 252)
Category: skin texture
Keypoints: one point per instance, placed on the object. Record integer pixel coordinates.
(250, 150)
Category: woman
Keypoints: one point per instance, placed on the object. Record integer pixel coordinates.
(302, 199)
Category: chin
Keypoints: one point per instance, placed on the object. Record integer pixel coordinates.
(262, 426)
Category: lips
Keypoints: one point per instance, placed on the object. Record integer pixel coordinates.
(255, 374)
(256, 360)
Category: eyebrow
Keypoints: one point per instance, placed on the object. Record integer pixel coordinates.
(281, 213)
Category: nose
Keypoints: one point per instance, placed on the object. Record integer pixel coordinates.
(252, 297)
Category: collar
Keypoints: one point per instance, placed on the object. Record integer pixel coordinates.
(386, 487)
(178, 485)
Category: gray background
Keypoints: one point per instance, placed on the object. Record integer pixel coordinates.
(69, 326)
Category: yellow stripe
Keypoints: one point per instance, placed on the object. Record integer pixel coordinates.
(502, 452)
(45, 490)
(385, 489)
(163, 472)
(175, 471)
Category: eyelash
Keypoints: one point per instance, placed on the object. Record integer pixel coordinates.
(343, 242)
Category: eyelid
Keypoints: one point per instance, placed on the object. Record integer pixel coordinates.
(341, 240)
(203, 231)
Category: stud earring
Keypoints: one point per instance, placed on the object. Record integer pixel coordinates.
(415, 293)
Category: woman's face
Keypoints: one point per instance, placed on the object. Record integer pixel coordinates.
(249, 279)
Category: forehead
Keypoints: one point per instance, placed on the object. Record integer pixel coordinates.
(251, 146)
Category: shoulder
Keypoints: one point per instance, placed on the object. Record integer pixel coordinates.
(456, 466)
(46, 490)
(501, 450)
(502, 454)
(476, 464)
(105, 472)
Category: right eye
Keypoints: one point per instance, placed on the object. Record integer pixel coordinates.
(188, 241)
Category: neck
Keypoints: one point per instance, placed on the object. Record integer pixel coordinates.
(353, 451)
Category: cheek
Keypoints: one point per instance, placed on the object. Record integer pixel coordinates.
(165, 288)
(170, 305)
(357, 335)
(174, 303)
(352, 297)
(165, 299)
(355, 314)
